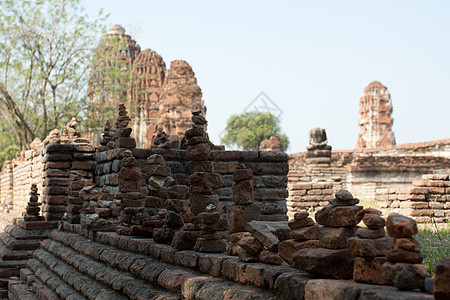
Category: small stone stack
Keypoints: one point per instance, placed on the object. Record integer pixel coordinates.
(304, 234)
(33, 209)
(75, 203)
(130, 188)
(73, 133)
(102, 211)
(203, 185)
(165, 222)
(369, 247)
(158, 180)
(339, 224)
(161, 140)
(441, 279)
(403, 267)
(107, 141)
(210, 240)
(244, 209)
(122, 131)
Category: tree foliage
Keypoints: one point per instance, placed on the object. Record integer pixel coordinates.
(249, 129)
(45, 57)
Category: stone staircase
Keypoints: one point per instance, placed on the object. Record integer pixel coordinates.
(75, 263)
(71, 266)
(16, 247)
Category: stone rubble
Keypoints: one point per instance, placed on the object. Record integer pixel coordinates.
(369, 247)
(403, 267)
(338, 225)
(304, 234)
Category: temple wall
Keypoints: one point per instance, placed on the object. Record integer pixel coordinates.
(269, 174)
(366, 172)
(49, 169)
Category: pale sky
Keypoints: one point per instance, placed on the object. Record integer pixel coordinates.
(312, 58)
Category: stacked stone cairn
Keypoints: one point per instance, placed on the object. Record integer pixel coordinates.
(100, 211)
(107, 141)
(204, 203)
(122, 131)
(75, 202)
(161, 140)
(171, 212)
(304, 234)
(130, 193)
(243, 211)
(33, 209)
(332, 258)
(403, 267)
(369, 247)
(73, 133)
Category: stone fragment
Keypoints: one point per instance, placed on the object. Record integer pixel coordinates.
(373, 221)
(305, 233)
(243, 192)
(199, 202)
(251, 245)
(399, 255)
(405, 276)
(239, 215)
(241, 174)
(203, 182)
(270, 257)
(369, 269)
(209, 217)
(337, 216)
(442, 279)
(370, 247)
(408, 244)
(335, 263)
(287, 248)
(366, 233)
(399, 226)
(335, 238)
(344, 198)
(359, 216)
(301, 215)
(295, 224)
(198, 152)
(263, 234)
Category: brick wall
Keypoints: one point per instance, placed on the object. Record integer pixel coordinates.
(269, 169)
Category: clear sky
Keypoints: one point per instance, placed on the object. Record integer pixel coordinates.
(312, 58)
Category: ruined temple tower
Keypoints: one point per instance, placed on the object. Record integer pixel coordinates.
(180, 95)
(144, 94)
(109, 78)
(376, 121)
(157, 98)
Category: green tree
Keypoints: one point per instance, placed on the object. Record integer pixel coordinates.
(45, 56)
(249, 129)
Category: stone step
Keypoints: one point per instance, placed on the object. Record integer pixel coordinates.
(119, 268)
(20, 291)
(19, 244)
(8, 254)
(20, 233)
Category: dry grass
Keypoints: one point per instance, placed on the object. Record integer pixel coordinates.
(435, 242)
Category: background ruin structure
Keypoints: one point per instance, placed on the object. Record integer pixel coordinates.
(157, 97)
(376, 121)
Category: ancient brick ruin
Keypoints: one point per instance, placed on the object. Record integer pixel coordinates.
(202, 223)
(158, 98)
(376, 121)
